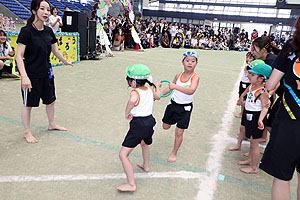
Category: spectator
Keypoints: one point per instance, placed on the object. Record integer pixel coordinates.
(55, 21)
(6, 56)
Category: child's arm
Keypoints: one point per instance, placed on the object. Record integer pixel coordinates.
(167, 90)
(189, 91)
(263, 113)
(130, 104)
(157, 93)
(241, 99)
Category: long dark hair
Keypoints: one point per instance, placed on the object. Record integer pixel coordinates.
(295, 43)
(4, 43)
(265, 42)
(139, 83)
(35, 5)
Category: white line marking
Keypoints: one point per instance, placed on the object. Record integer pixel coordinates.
(76, 177)
(208, 184)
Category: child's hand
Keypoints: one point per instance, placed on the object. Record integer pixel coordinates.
(240, 101)
(158, 84)
(129, 116)
(172, 86)
(261, 125)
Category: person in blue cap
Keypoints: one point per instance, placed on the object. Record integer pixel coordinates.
(254, 114)
(179, 109)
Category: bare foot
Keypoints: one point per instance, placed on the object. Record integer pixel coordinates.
(244, 162)
(172, 158)
(235, 148)
(248, 170)
(126, 188)
(247, 154)
(145, 169)
(29, 138)
(56, 128)
(238, 115)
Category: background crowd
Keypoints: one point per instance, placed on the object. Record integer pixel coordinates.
(159, 33)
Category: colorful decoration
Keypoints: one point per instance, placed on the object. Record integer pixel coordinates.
(67, 44)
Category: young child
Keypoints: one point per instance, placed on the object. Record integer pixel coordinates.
(180, 107)
(139, 112)
(245, 82)
(255, 113)
(243, 94)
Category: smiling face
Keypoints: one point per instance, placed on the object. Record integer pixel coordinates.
(2, 37)
(190, 63)
(43, 12)
(55, 11)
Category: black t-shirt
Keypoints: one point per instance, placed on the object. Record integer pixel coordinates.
(270, 59)
(37, 51)
(291, 69)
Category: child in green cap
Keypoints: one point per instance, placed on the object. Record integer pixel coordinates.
(254, 115)
(139, 112)
(180, 107)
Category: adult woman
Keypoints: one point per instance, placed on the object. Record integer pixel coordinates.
(6, 55)
(55, 21)
(282, 153)
(35, 43)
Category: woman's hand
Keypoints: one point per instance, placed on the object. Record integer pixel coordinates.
(68, 63)
(26, 83)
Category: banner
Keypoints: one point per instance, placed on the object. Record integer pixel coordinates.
(67, 44)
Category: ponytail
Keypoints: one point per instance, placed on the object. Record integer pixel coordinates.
(30, 19)
(265, 42)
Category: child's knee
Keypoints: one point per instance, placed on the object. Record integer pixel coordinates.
(122, 155)
(166, 126)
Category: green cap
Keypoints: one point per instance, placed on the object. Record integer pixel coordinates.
(262, 69)
(254, 63)
(138, 71)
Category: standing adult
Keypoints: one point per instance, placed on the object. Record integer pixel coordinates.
(35, 43)
(282, 155)
(55, 21)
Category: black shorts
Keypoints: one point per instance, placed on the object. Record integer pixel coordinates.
(178, 113)
(251, 124)
(282, 154)
(243, 118)
(7, 68)
(42, 88)
(242, 88)
(141, 128)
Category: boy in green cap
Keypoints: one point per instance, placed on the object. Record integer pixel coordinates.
(139, 112)
(179, 109)
(254, 114)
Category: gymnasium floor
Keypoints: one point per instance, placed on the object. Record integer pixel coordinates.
(83, 162)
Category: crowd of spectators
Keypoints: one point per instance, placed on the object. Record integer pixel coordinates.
(159, 33)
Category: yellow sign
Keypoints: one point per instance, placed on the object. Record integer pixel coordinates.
(67, 44)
